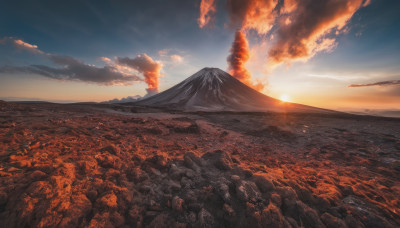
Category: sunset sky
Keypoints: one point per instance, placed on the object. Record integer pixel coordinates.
(337, 54)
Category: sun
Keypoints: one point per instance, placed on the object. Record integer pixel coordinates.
(285, 98)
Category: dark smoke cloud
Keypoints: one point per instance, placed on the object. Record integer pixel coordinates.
(147, 66)
(382, 83)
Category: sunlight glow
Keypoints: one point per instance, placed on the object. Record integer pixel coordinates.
(285, 98)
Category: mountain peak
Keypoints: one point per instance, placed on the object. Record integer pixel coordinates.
(210, 69)
(211, 78)
(209, 74)
(212, 89)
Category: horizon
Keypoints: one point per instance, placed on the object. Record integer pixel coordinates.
(352, 64)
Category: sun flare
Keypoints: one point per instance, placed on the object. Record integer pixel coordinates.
(285, 98)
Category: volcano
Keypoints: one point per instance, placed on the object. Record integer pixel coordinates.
(212, 89)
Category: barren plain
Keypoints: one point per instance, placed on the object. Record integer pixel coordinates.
(99, 165)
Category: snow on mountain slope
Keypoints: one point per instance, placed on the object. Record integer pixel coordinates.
(212, 89)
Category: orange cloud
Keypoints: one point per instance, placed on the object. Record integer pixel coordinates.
(21, 45)
(289, 6)
(207, 11)
(105, 59)
(26, 46)
(244, 15)
(240, 54)
(313, 27)
(147, 66)
(300, 28)
(258, 15)
(252, 14)
(366, 2)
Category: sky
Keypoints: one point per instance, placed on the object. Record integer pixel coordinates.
(336, 54)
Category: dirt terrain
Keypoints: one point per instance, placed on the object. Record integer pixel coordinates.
(88, 165)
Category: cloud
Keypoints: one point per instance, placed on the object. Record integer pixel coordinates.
(69, 68)
(124, 99)
(123, 71)
(163, 52)
(244, 16)
(337, 77)
(169, 58)
(384, 90)
(21, 45)
(105, 59)
(237, 60)
(147, 66)
(366, 3)
(129, 98)
(382, 83)
(176, 58)
(252, 14)
(306, 27)
(208, 9)
(294, 29)
(75, 70)
(300, 28)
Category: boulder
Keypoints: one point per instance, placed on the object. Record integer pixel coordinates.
(332, 222)
(263, 183)
(247, 191)
(3, 197)
(272, 217)
(108, 201)
(205, 219)
(219, 159)
(177, 203)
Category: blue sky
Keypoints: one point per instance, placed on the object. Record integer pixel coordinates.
(88, 30)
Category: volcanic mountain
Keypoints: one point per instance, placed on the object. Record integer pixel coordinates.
(212, 89)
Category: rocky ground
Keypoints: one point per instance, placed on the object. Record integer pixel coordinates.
(121, 166)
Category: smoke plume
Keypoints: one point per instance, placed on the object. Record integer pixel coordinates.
(294, 29)
(237, 60)
(207, 11)
(147, 66)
